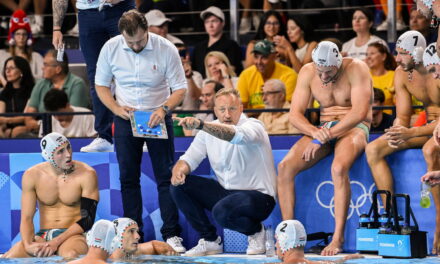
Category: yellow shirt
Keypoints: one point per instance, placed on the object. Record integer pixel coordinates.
(386, 84)
(250, 83)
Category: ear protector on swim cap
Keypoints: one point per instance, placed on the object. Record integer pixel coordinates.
(430, 56)
(290, 234)
(101, 235)
(414, 43)
(50, 143)
(327, 54)
(121, 225)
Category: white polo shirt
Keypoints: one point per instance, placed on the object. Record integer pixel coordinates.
(143, 80)
(244, 163)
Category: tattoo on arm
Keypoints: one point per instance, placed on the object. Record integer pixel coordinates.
(59, 8)
(220, 131)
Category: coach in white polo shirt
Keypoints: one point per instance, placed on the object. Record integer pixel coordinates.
(145, 67)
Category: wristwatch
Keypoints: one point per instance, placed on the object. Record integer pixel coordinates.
(166, 109)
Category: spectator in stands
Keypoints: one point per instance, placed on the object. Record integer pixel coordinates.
(381, 120)
(297, 49)
(362, 25)
(210, 88)
(56, 75)
(20, 42)
(417, 21)
(271, 25)
(219, 69)
(16, 93)
(96, 27)
(382, 65)
(214, 21)
(68, 125)
(158, 24)
(243, 193)
(411, 79)
(274, 97)
(265, 68)
(193, 78)
(100, 243)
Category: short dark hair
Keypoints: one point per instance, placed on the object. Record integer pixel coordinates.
(63, 64)
(217, 85)
(378, 95)
(55, 99)
(131, 21)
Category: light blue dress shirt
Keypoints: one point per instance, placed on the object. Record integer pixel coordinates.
(143, 80)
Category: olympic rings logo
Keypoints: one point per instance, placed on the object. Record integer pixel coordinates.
(355, 206)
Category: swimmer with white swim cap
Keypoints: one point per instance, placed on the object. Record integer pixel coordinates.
(126, 243)
(343, 87)
(66, 192)
(291, 238)
(431, 61)
(99, 240)
(411, 80)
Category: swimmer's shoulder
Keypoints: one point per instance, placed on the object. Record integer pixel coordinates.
(84, 168)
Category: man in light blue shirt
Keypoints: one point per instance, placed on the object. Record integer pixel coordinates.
(98, 22)
(145, 68)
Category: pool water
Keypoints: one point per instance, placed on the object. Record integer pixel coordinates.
(225, 259)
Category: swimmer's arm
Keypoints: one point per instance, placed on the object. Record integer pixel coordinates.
(89, 190)
(28, 208)
(423, 130)
(155, 247)
(300, 101)
(403, 99)
(361, 98)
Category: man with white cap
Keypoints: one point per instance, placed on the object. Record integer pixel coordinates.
(158, 24)
(66, 192)
(291, 238)
(411, 79)
(126, 243)
(99, 239)
(214, 21)
(343, 87)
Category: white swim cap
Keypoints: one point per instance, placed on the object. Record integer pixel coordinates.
(121, 225)
(414, 43)
(101, 235)
(327, 54)
(430, 56)
(290, 234)
(428, 3)
(49, 144)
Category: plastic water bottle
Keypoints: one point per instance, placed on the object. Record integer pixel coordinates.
(425, 199)
(270, 243)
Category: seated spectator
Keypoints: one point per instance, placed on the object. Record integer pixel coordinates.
(381, 120)
(214, 21)
(16, 93)
(297, 49)
(265, 68)
(274, 97)
(158, 23)
(382, 65)
(417, 21)
(193, 78)
(362, 23)
(20, 44)
(219, 69)
(68, 125)
(271, 25)
(126, 243)
(99, 241)
(56, 76)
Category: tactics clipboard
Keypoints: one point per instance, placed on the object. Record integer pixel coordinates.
(139, 125)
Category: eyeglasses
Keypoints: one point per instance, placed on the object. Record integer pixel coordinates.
(270, 92)
(49, 65)
(10, 68)
(272, 23)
